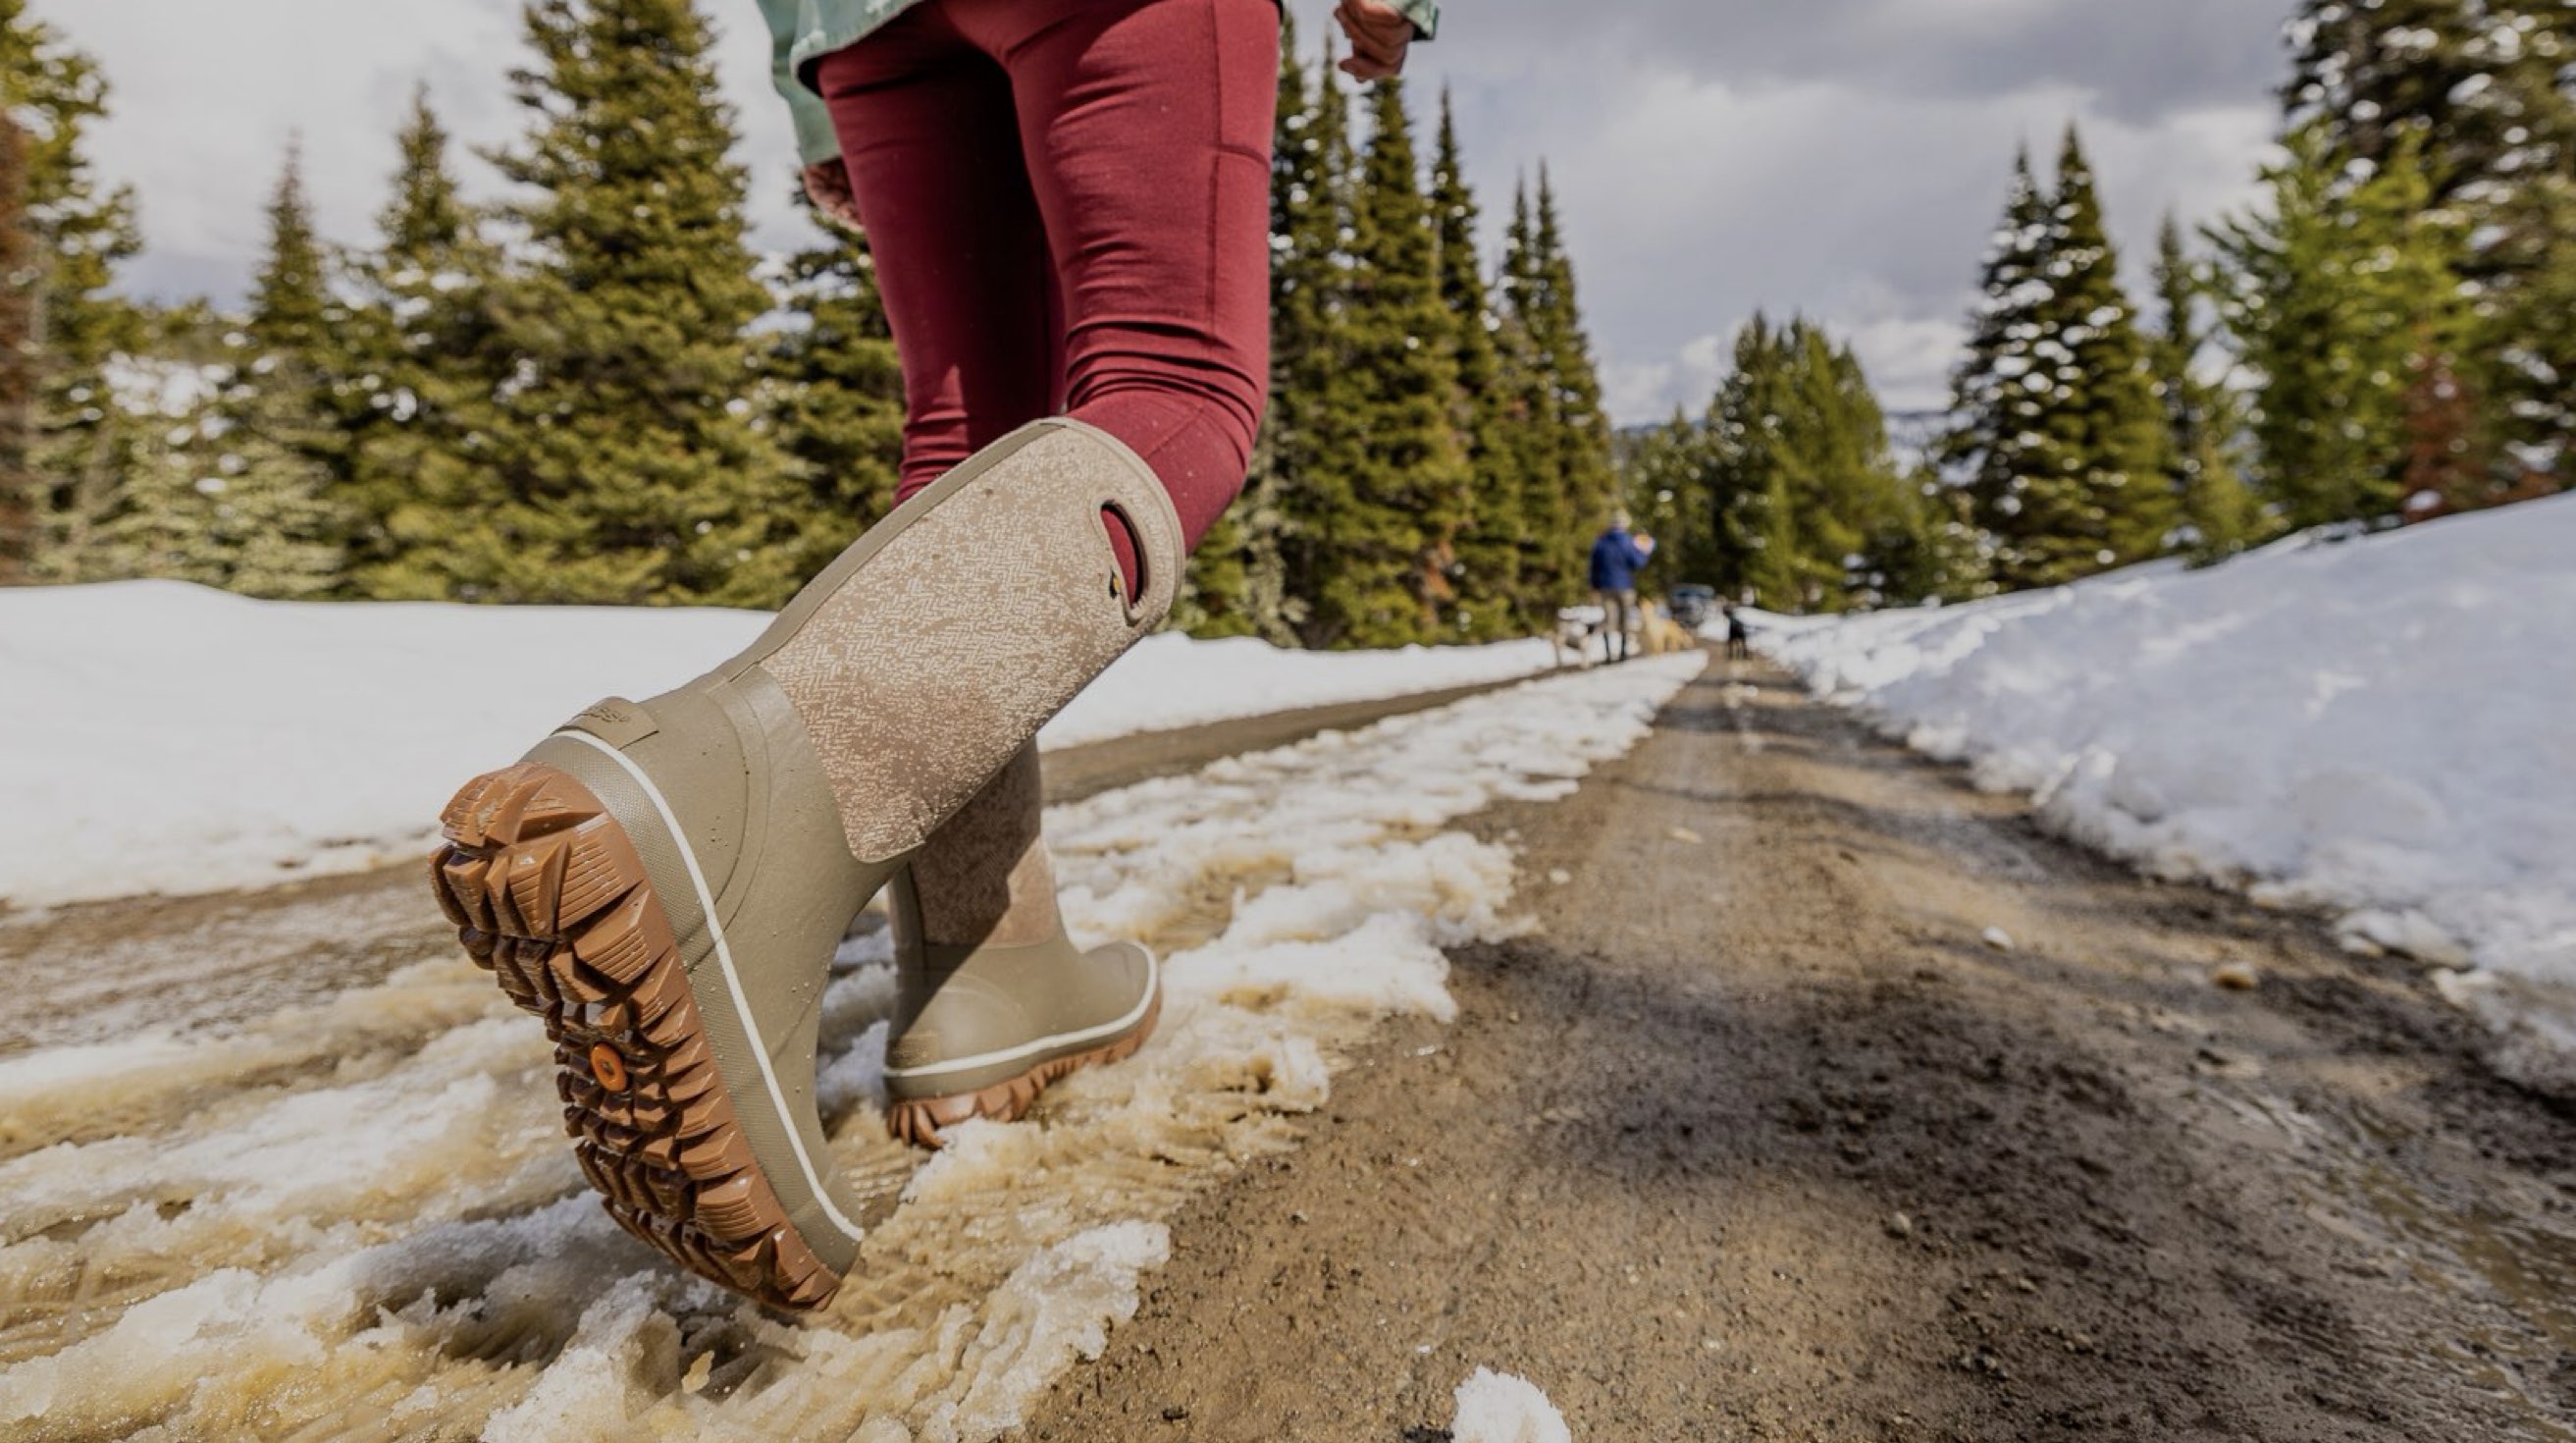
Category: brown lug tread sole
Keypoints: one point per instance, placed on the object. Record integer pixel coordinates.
(548, 893)
(918, 1120)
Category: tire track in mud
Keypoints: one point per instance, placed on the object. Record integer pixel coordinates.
(355, 1217)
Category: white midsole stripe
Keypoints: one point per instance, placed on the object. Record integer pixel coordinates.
(733, 979)
(1135, 1014)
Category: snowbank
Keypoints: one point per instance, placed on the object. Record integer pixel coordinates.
(2379, 727)
(156, 736)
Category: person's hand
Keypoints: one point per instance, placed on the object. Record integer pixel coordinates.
(1645, 543)
(1379, 35)
(827, 184)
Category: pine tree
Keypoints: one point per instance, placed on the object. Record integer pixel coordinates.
(2217, 511)
(1296, 491)
(1526, 458)
(78, 234)
(1239, 582)
(631, 461)
(2379, 71)
(247, 501)
(286, 451)
(1800, 502)
(17, 359)
(418, 374)
(218, 491)
(2538, 346)
(1765, 472)
(1489, 540)
(1878, 524)
(290, 306)
(1391, 443)
(2480, 90)
(1999, 387)
(2342, 297)
(1581, 444)
(2104, 417)
(2477, 87)
(1664, 481)
(2061, 436)
(838, 409)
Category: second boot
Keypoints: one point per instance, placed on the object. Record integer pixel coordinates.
(993, 1000)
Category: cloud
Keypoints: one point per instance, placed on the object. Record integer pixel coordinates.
(207, 96)
(1702, 180)
(1908, 360)
(1649, 390)
(1844, 158)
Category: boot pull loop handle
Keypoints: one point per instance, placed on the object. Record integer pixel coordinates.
(1128, 589)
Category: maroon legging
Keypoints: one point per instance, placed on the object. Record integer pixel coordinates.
(1069, 206)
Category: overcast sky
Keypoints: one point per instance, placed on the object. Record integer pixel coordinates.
(1842, 157)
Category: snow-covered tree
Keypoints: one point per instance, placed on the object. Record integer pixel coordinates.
(2060, 441)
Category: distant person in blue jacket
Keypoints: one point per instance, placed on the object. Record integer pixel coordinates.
(1617, 557)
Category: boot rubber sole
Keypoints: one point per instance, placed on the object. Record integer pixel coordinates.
(549, 894)
(918, 1120)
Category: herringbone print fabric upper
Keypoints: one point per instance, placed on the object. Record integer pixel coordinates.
(945, 653)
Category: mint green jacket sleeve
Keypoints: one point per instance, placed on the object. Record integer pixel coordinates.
(815, 141)
(1425, 15)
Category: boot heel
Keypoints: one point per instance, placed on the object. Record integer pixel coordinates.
(549, 894)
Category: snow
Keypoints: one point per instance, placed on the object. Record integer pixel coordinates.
(374, 1197)
(178, 739)
(1501, 1408)
(2376, 727)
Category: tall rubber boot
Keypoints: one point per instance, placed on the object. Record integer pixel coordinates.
(993, 1000)
(665, 882)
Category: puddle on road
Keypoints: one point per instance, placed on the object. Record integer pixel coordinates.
(2474, 1251)
(359, 1220)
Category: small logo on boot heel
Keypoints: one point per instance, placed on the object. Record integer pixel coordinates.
(616, 721)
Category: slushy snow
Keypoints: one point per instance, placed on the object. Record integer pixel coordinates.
(162, 737)
(372, 1197)
(2379, 728)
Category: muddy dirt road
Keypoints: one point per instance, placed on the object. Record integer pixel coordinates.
(1827, 1100)
(1833, 1101)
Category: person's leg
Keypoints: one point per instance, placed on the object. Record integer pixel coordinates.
(930, 134)
(931, 139)
(1147, 126)
(806, 772)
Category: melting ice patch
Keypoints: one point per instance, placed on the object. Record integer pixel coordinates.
(359, 1220)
